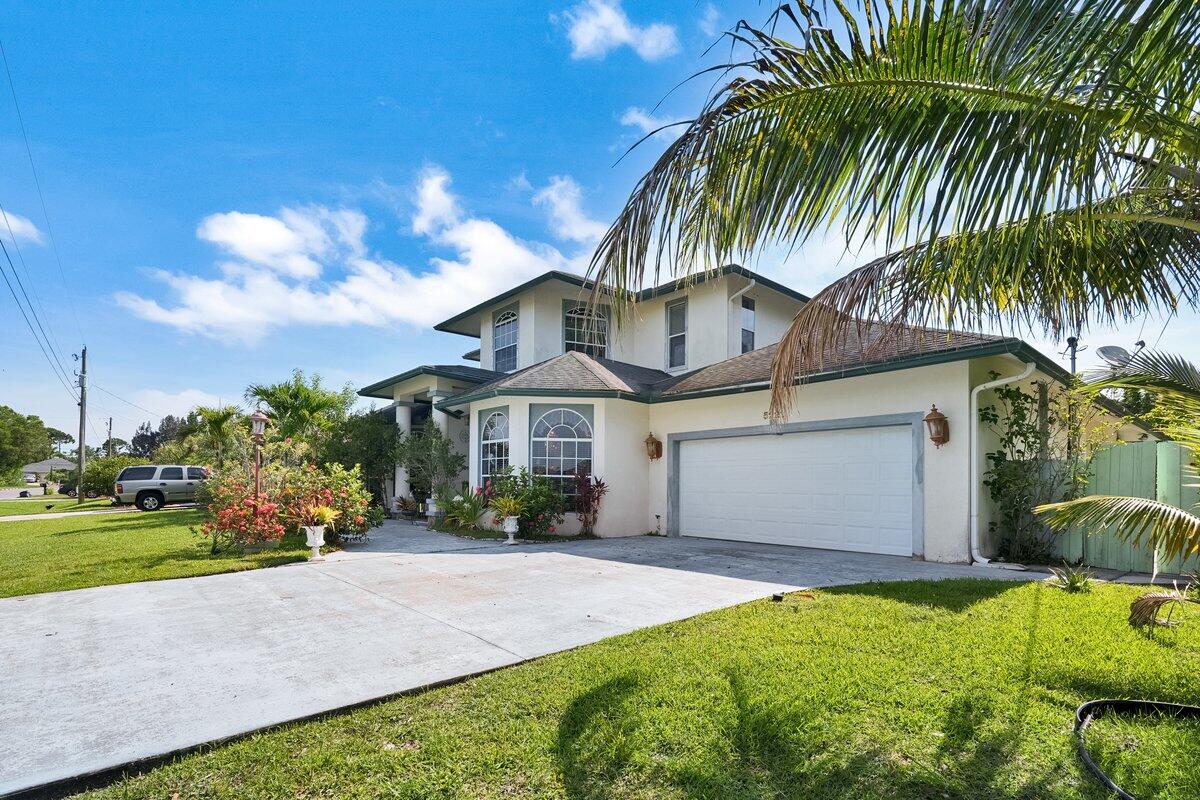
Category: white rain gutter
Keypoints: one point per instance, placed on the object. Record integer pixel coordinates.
(973, 431)
(743, 290)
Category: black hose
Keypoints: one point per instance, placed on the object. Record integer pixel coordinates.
(1092, 708)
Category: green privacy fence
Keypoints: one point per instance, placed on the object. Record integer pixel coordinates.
(1153, 470)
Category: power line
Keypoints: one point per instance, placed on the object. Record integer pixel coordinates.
(127, 402)
(38, 184)
(28, 277)
(21, 308)
(28, 302)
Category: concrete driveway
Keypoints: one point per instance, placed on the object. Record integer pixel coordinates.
(98, 678)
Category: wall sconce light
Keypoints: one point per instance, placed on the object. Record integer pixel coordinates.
(939, 427)
(653, 448)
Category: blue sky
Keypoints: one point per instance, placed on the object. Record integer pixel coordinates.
(240, 190)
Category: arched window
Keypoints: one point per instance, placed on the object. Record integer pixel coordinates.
(504, 342)
(493, 446)
(561, 447)
(585, 331)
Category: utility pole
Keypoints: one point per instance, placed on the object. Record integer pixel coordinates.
(110, 441)
(82, 455)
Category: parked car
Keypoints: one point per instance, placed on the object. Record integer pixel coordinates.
(152, 486)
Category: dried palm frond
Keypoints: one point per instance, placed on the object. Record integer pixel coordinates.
(1146, 611)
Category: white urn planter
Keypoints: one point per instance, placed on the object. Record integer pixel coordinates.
(510, 527)
(316, 538)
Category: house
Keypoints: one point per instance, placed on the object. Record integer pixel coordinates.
(560, 388)
(38, 470)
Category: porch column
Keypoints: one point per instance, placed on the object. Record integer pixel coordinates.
(404, 423)
(440, 418)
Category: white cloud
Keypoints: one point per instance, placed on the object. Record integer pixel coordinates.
(647, 123)
(178, 403)
(598, 26)
(436, 207)
(311, 266)
(563, 199)
(22, 229)
(709, 21)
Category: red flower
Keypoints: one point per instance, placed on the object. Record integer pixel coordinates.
(551, 529)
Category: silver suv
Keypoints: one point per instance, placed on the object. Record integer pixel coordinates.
(152, 486)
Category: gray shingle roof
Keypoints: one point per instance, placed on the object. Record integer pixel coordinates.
(577, 372)
(871, 348)
(382, 389)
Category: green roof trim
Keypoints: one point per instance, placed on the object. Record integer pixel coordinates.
(552, 275)
(446, 326)
(728, 269)
(434, 370)
(1009, 346)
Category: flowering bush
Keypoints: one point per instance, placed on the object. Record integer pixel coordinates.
(236, 517)
(542, 504)
(303, 488)
(290, 488)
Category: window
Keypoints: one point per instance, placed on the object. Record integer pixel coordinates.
(747, 324)
(171, 474)
(561, 448)
(677, 334)
(197, 473)
(585, 331)
(136, 474)
(493, 446)
(504, 342)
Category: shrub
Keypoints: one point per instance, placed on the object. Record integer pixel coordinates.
(236, 517)
(301, 488)
(542, 505)
(462, 511)
(100, 474)
(1071, 579)
(589, 491)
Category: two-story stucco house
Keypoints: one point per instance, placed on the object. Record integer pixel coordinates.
(558, 391)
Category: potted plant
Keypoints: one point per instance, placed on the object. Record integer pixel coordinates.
(508, 509)
(314, 520)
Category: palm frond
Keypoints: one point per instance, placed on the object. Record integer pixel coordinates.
(1172, 531)
(1111, 262)
(959, 114)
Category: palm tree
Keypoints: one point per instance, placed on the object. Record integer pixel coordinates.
(1172, 531)
(217, 427)
(300, 408)
(1028, 164)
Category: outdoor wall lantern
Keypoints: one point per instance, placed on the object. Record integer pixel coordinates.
(653, 448)
(939, 427)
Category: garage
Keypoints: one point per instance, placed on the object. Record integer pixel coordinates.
(843, 489)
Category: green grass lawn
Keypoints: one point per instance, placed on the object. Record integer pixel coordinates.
(98, 549)
(56, 503)
(961, 689)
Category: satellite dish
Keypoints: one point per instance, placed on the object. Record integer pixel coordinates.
(1114, 356)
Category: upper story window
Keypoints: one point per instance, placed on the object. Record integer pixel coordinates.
(560, 448)
(493, 446)
(504, 342)
(585, 331)
(747, 324)
(677, 334)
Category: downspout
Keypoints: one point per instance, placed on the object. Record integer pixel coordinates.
(743, 290)
(973, 534)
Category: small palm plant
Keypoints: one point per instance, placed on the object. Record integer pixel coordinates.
(1173, 532)
(1071, 579)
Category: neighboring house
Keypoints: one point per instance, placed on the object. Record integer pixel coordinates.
(37, 471)
(560, 389)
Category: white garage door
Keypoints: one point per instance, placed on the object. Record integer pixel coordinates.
(843, 489)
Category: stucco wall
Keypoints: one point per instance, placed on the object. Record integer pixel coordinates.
(906, 391)
(713, 334)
